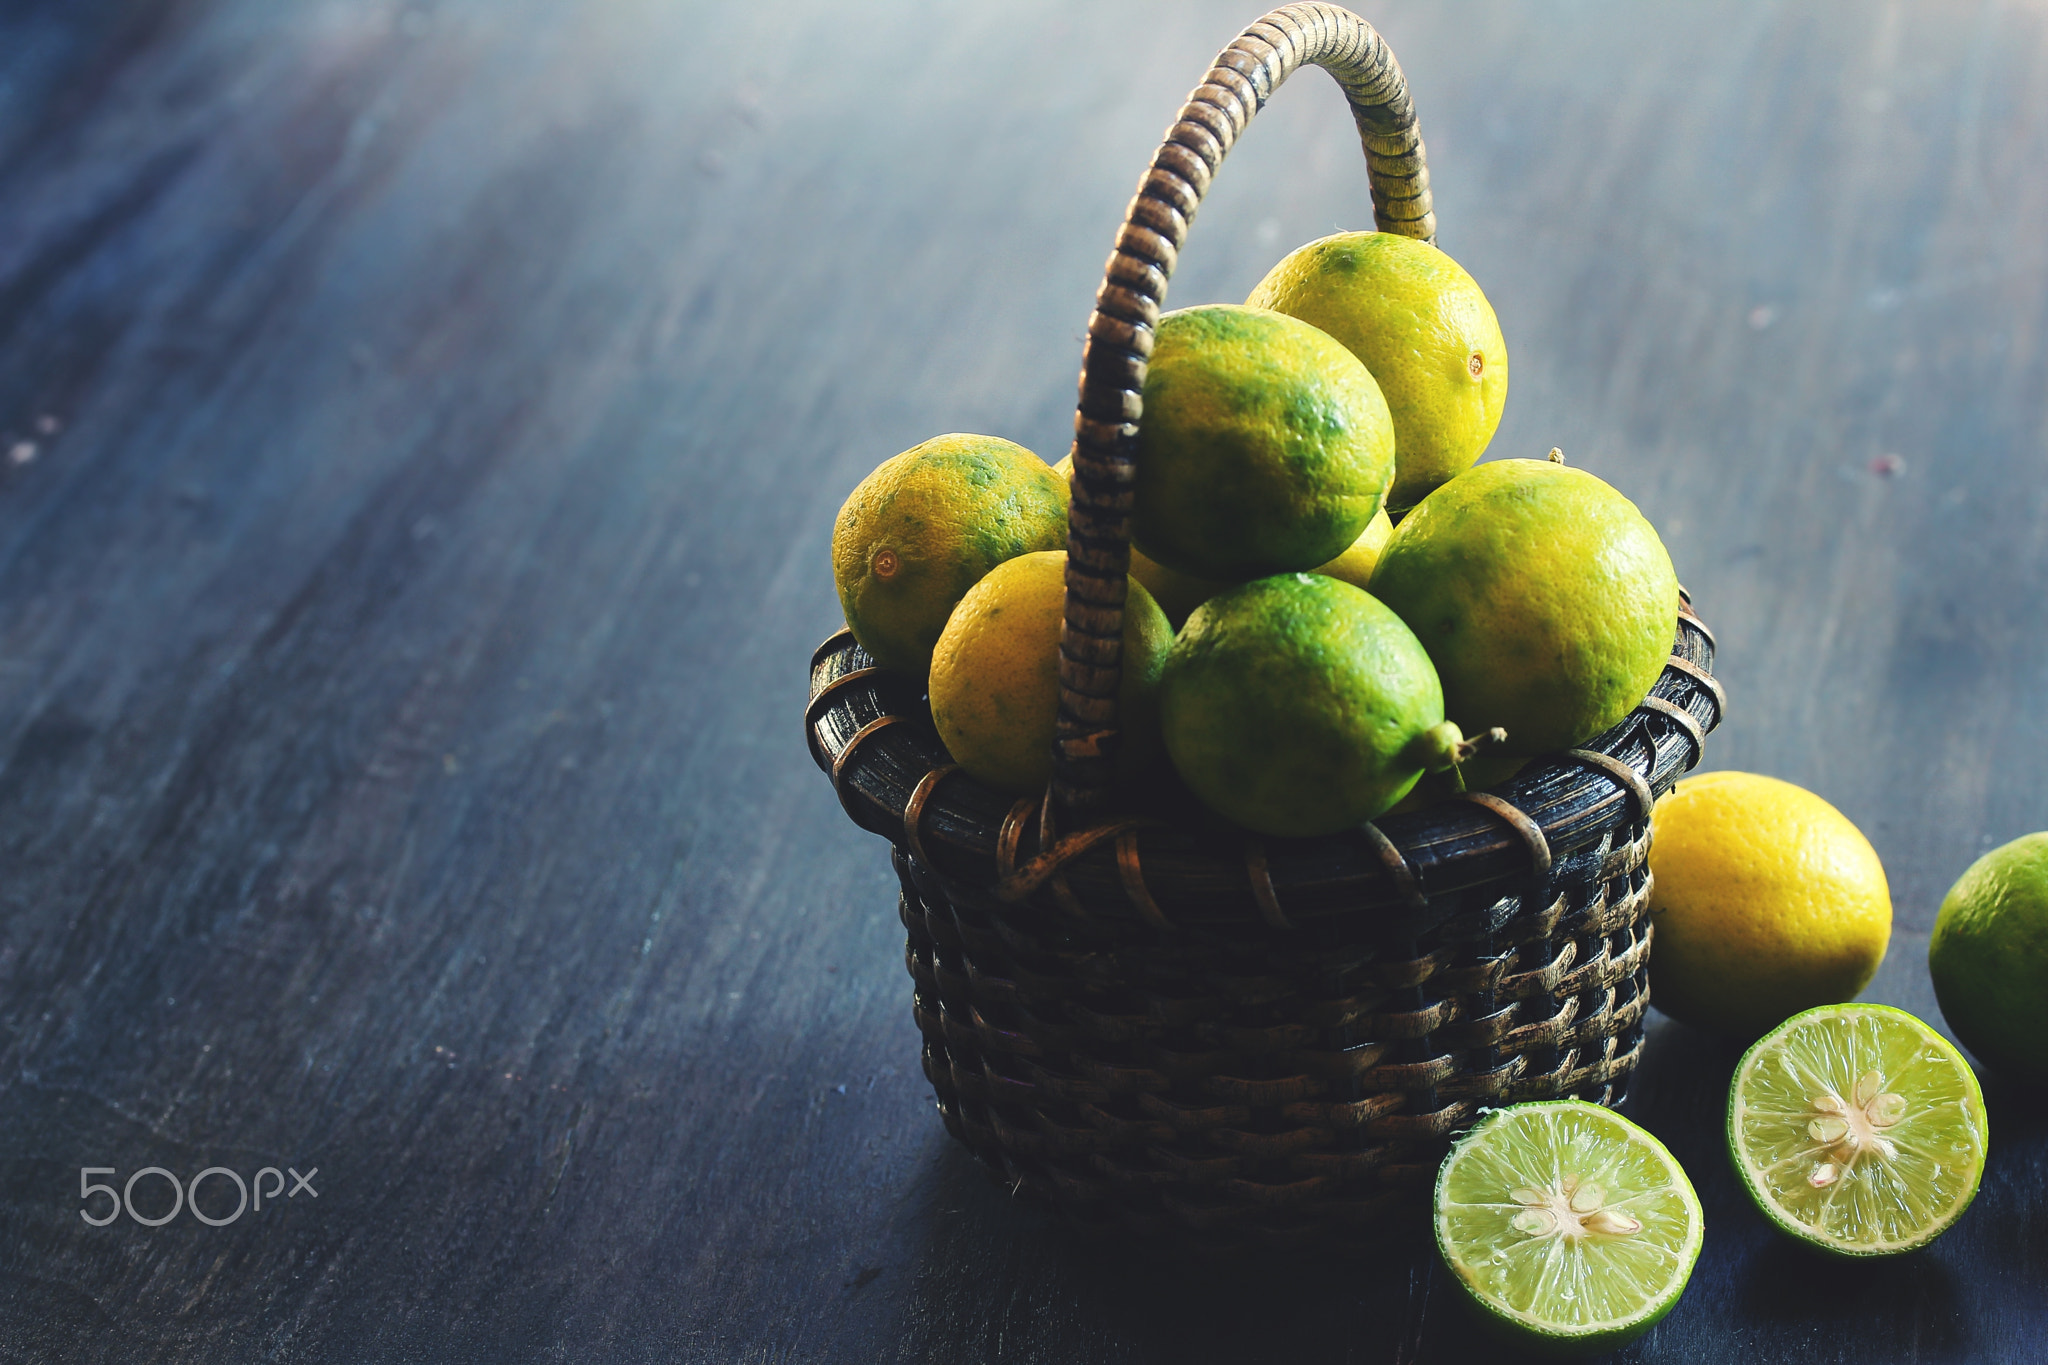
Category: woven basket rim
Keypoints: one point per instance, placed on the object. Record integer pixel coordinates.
(870, 731)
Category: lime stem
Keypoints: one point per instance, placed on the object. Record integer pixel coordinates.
(1464, 749)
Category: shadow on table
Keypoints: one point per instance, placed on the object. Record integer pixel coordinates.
(1078, 1298)
(1794, 1286)
(2013, 1200)
(1680, 1093)
(995, 1276)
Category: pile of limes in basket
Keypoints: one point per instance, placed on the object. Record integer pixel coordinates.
(1332, 610)
(1328, 602)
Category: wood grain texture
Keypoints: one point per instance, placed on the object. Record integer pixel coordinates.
(403, 619)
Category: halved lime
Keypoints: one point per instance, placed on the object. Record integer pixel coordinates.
(1857, 1128)
(1567, 1224)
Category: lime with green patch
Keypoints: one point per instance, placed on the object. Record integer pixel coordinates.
(1265, 447)
(1857, 1129)
(1178, 594)
(1299, 705)
(1989, 959)
(1545, 598)
(928, 525)
(1571, 1228)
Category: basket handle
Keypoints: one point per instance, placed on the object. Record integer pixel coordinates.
(1120, 333)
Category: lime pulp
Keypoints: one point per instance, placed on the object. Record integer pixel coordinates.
(1858, 1129)
(1567, 1224)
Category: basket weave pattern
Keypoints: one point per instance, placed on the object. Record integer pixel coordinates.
(1157, 1023)
(1269, 1086)
(1277, 1049)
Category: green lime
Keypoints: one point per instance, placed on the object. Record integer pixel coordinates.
(1570, 1227)
(1299, 705)
(1266, 447)
(995, 684)
(1546, 600)
(1989, 959)
(1857, 1129)
(1423, 328)
(928, 525)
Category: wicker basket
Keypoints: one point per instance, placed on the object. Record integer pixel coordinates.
(1156, 1023)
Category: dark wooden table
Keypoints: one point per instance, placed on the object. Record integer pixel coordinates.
(422, 430)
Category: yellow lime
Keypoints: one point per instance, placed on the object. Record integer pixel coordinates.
(1857, 1129)
(1766, 902)
(1297, 704)
(928, 525)
(1423, 328)
(995, 683)
(1546, 600)
(1356, 564)
(1989, 959)
(1265, 445)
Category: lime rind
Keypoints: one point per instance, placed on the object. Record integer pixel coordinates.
(1857, 1129)
(1566, 1224)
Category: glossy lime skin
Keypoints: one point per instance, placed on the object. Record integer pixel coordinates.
(995, 680)
(1989, 959)
(1546, 600)
(1293, 705)
(1767, 901)
(1265, 446)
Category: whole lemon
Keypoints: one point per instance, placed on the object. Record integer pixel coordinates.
(1989, 959)
(928, 525)
(995, 682)
(1545, 599)
(1424, 329)
(1766, 902)
(1265, 445)
(1299, 705)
